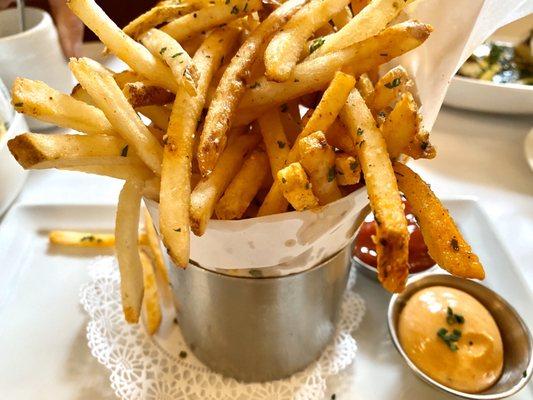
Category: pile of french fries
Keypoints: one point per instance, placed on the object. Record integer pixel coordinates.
(249, 109)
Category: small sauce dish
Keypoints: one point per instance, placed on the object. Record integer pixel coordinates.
(516, 337)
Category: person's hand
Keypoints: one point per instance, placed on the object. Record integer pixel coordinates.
(69, 27)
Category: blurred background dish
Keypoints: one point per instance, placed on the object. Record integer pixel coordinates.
(528, 148)
(498, 77)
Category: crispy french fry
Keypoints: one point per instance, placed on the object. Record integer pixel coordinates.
(325, 114)
(159, 115)
(365, 87)
(358, 5)
(163, 45)
(318, 160)
(370, 21)
(208, 191)
(347, 168)
(445, 242)
(38, 100)
(109, 98)
(244, 186)
(128, 50)
(232, 86)
(315, 74)
(342, 18)
(81, 239)
(392, 237)
(283, 51)
(296, 187)
(139, 94)
(126, 237)
(337, 136)
(175, 195)
(155, 247)
(114, 167)
(389, 88)
(276, 143)
(157, 15)
(186, 27)
(151, 306)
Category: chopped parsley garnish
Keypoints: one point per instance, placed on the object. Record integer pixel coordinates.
(395, 82)
(281, 144)
(353, 165)
(235, 10)
(315, 45)
(455, 244)
(284, 108)
(183, 354)
(331, 174)
(283, 180)
(89, 238)
(245, 7)
(450, 339)
(256, 273)
(360, 131)
(177, 54)
(452, 318)
(177, 230)
(124, 151)
(163, 49)
(19, 104)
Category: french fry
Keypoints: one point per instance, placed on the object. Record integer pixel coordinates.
(283, 51)
(109, 98)
(347, 168)
(315, 74)
(232, 86)
(445, 242)
(209, 190)
(157, 15)
(81, 239)
(342, 18)
(186, 27)
(365, 87)
(392, 239)
(244, 186)
(128, 50)
(358, 5)
(161, 44)
(38, 100)
(140, 94)
(338, 136)
(296, 187)
(157, 114)
(325, 114)
(370, 21)
(126, 237)
(151, 306)
(155, 248)
(318, 160)
(276, 143)
(175, 195)
(389, 88)
(114, 167)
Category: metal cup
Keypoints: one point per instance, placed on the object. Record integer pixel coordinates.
(260, 329)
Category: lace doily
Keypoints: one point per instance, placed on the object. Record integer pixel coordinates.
(150, 367)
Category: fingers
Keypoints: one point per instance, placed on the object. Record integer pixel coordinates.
(69, 27)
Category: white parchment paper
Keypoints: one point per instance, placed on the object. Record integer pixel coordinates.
(291, 242)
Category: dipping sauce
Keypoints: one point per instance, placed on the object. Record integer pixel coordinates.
(452, 338)
(365, 248)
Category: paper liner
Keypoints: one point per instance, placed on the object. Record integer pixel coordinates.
(290, 242)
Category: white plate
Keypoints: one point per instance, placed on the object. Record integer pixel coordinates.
(478, 95)
(42, 330)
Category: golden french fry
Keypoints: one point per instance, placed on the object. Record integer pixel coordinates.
(151, 306)
(445, 242)
(370, 21)
(365, 87)
(114, 167)
(283, 51)
(38, 100)
(315, 74)
(155, 248)
(81, 239)
(209, 190)
(159, 115)
(338, 136)
(109, 98)
(342, 18)
(347, 168)
(296, 187)
(358, 5)
(140, 94)
(157, 15)
(186, 27)
(276, 143)
(392, 239)
(318, 160)
(389, 88)
(161, 44)
(175, 195)
(244, 186)
(128, 50)
(232, 86)
(126, 237)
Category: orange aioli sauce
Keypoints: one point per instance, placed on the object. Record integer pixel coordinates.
(471, 360)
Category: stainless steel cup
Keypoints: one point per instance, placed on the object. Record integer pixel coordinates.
(260, 329)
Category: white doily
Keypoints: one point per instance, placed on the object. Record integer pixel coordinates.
(145, 367)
